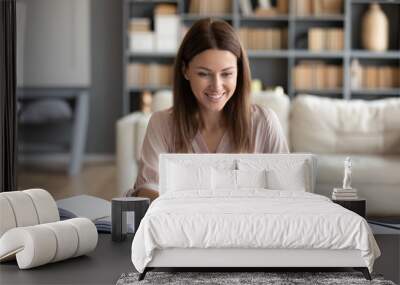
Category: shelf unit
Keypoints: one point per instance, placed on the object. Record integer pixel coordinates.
(274, 67)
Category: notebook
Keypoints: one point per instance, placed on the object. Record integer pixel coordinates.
(96, 209)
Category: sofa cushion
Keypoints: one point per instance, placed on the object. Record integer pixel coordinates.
(376, 177)
(367, 169)
(45, 111)
(278, 101)
(162, 100)
(325, 125)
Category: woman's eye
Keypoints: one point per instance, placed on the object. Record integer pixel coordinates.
(226, 74)
(202, 74)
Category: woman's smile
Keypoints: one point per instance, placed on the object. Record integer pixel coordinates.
(214, 97)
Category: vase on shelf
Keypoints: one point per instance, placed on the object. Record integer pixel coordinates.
(375, 29)
(355, 74)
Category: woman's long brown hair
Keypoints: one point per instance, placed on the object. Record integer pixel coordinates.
(211, 34)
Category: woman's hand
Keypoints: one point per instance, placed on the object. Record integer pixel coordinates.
(147, 193)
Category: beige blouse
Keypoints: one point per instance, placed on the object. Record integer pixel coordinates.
(267, 135)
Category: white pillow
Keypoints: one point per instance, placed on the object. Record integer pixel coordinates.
(281, 175)
(252, 178)
(224, 179)
(182, 177)
(228, 179)
(293, 179)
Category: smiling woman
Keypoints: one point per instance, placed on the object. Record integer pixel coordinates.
(211, 112)
(212, 63)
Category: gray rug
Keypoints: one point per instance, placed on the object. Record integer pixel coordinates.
(229, 278)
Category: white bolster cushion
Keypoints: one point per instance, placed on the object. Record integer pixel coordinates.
(23, 208)
(46, 207)
(40, 244)
(7, 219)
(87, 235)
(26, 208)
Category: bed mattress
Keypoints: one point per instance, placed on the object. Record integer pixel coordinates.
(250, 219)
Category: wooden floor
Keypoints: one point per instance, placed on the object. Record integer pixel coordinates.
(96, 179)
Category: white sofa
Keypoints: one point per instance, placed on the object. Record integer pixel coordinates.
(368, 131)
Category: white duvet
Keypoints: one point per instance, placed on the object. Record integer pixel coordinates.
(251, 218)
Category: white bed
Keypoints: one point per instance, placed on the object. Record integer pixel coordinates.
(241, 210)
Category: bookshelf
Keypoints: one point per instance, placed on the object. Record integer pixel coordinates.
(277, 66)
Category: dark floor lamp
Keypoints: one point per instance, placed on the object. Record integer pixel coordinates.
(8, 126)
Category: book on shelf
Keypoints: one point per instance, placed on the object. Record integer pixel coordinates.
(204, 7)
(141, 38)
(282, 6)
(165, 9)
(277, 39)
(302, 77)
(316, 39)
(371, 77)
(317, 75)
(317, 8)
(335, 197)
(284, 38)
(344, 194)
(380, 77)
(84, 206)
(325, 39)
(154, 74)
(304, 8)
(166, 27)
(345, 191)
(330, 7)
(263, 38)
(265, 12)
(141, 42)
(333, 76)
(384, 76)
(165, 36)
(139, 25)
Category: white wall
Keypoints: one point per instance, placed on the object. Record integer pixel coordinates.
(56, 43)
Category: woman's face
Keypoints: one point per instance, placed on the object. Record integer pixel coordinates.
(212, 75)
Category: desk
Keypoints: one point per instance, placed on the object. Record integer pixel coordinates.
(102, 266)
(111, 259)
